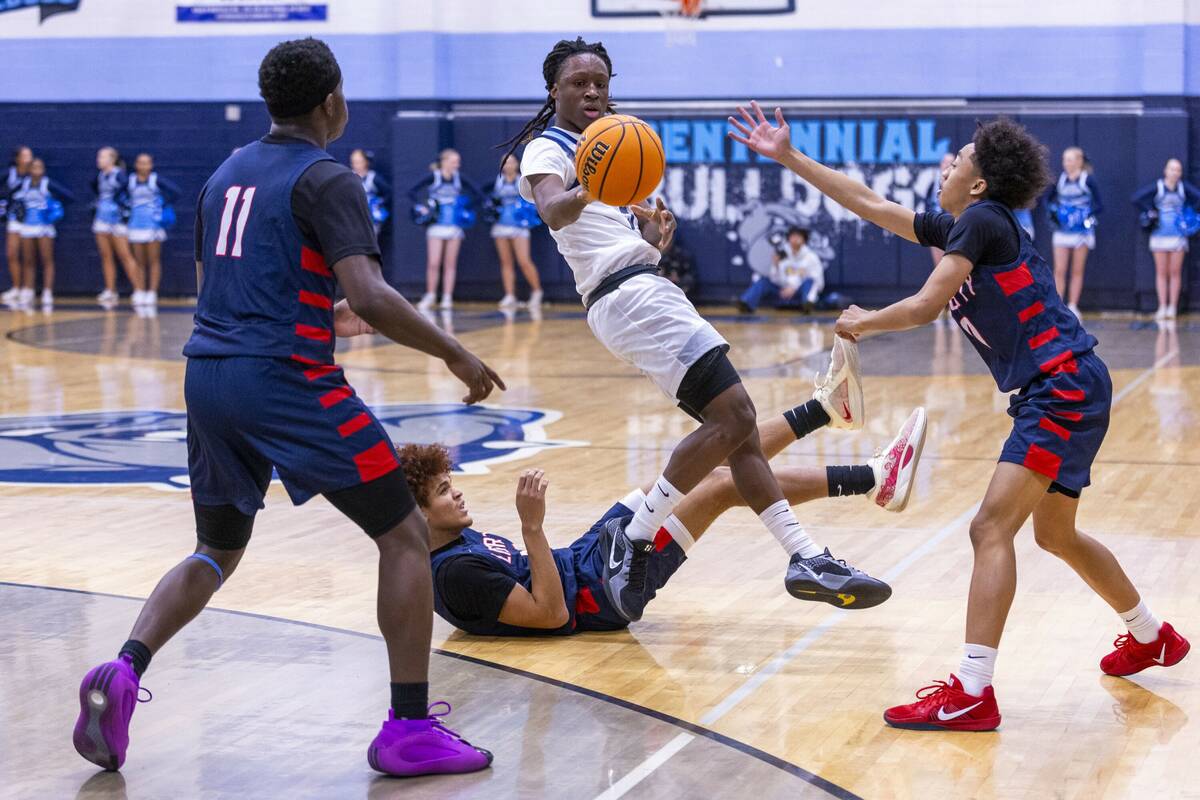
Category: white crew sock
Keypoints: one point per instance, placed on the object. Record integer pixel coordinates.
(679, 532)
(975, 671)
(660, 501)
(633, 501)
(786, 529)
(1141, 622)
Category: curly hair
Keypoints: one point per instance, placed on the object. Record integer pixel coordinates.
(551, 67)
(422, 464)
(1012, 161)
(296, 76)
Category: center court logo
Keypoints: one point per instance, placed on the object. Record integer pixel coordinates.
(149, 447)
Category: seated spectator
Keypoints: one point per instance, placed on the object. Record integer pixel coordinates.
(797, 277)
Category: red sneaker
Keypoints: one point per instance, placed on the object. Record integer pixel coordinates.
(946, 707)
(1132, 656)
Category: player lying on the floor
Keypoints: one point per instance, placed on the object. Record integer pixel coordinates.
(484, 585)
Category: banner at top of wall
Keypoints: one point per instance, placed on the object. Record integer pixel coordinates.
(48, 8)
(253, 12)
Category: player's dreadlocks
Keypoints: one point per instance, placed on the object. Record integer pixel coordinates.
(1012, 162)
(550, 69)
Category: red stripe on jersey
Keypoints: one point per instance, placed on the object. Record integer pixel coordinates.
(1054, 365)
(1071, 395)
(1073, 416)
(1047, 424)
(1042, 461)
(321, 371)
(376, 461)
(313, 261)
(1042, 338)
(1031, 312)
(1014, 280)
(585, 602)
(662, 539)
(304, 359)
(313, 332)
(335, 396)
(314, 299)
(354, 425)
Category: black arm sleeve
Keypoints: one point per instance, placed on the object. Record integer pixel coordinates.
(933, 229)
(414, 192)
(984, 235)
(330, 208)
(382, 187)
(473, 588)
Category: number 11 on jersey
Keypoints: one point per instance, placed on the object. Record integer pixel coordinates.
(232, 195)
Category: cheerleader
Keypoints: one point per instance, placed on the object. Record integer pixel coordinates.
(108, 226)
(510, 232)
(148, 196)
(377, 189)
(1074, 202)
(18, 168)
(1168, 208)
(448, 198)
(41, 200)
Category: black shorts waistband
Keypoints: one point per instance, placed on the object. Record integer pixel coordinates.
(614, 281)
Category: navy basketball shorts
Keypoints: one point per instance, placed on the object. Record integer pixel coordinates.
(1059, 422)
(248, 415)
(593, 611)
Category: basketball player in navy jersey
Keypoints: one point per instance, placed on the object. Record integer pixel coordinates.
(647, 322)
(484, 585)
(1002, 294)
(279, 227)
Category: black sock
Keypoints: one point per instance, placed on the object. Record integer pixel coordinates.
(410, 700)
(138, 653)
(807, 418)
(845, 481)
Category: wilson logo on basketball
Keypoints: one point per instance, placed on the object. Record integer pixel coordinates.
(592, 163)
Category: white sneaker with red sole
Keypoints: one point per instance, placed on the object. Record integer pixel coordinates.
(895, 466)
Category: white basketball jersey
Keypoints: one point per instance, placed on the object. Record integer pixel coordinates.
(605, 238)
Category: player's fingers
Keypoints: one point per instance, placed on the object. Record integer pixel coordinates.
(495, 378)
(542, 487)
(746, 116)
(742, 129)
(758, 112)
(641, 212)
(660, 205)
(779, 117)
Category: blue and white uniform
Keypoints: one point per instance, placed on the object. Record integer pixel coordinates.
(447, 196)
(507, 197)
(377, 190)
(1073, 206)
(12, 183)
(110, 188)
(37, 198)
(1169, 234)
(146, 201)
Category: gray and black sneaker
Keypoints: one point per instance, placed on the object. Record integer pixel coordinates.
(625, 562)
(831, 580)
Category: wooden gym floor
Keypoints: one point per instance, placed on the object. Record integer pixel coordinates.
(727, 688)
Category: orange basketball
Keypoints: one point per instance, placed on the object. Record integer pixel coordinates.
(619, 160)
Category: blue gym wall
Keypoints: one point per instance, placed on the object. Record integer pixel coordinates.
(426, 74)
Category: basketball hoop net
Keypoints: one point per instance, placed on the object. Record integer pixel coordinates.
(681, 18)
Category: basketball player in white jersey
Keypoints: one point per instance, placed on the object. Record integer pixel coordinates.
(649, 323)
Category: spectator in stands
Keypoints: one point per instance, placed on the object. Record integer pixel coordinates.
(510, 233)
(18, 168)
(446, 197)
(378, 190)
(110, 186)
(1168, 209)
(40, 200)
(150, 214)
(797, 277)
(1073, 202)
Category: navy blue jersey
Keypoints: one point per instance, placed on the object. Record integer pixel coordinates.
(1009, 309)
(266, 291)
(511, 566)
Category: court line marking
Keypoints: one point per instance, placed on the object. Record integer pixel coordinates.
(777, 664)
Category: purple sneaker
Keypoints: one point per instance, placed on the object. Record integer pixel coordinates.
(107, 697)
(407, 747)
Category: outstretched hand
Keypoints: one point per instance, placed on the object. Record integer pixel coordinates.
(531, 498)
(757, 133)
(660, 223)
(478, 377)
